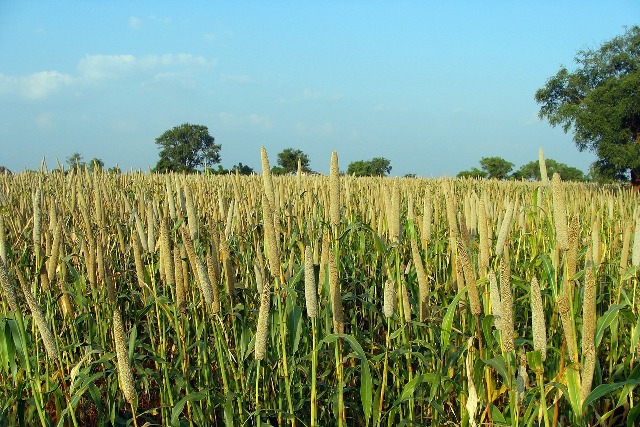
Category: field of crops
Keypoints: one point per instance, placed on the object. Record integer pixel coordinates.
(144, 299)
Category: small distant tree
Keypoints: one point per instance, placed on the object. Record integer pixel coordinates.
(278, 170)
(378, 166)
(218, 171)
(242, 169)
(472, 173)
(74, 161)
(496, 167)
(186, 148)
(288, 160)
(96, 164)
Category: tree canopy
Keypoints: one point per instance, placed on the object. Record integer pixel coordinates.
(499, 168)
(599, 102)
(496, 167)
(531, 171)
(492, 167)
(74, 161)
(185, 148)
(472, 173)
(96, 164)
(378, 166)
(288, 161)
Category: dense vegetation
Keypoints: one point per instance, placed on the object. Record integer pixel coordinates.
(308, 300)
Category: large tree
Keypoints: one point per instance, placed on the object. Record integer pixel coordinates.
(600, 102)
(185, 148)
(378, 166)
(288, 160)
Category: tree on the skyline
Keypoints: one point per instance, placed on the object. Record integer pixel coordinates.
(499, 168)
(288, 160)
(74, 162)
(531, 171)
(378, 166)
(242, 169)
(496, 167)
(599, 103)
(96, 164)
(472, 173)
(185, 148)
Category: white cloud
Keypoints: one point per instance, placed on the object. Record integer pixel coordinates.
(236, 121)
(96, 67)
(93, 68)
(36, 85)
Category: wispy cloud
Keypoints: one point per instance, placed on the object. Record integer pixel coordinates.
(136, 22)
(236, 78)
(237, 121)
(308, 95)
(110, 66)
(94, 68)
(35, 85)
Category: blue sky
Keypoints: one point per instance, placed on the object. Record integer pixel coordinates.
(432, 86)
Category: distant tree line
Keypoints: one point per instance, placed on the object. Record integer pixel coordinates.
(189, 147)
(75, 162)
(499, 168)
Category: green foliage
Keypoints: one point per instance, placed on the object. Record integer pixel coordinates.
(472, 173)
(496, 167)
(243, 169)
(185, 148)
(378, 166)
(74, 161)
(492, 167)
(531, 171)
(599, 102)
(278, 170)
(220, 170)
(288, 160)
(96, 164)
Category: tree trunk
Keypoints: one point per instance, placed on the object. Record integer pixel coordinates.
(635, 179)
